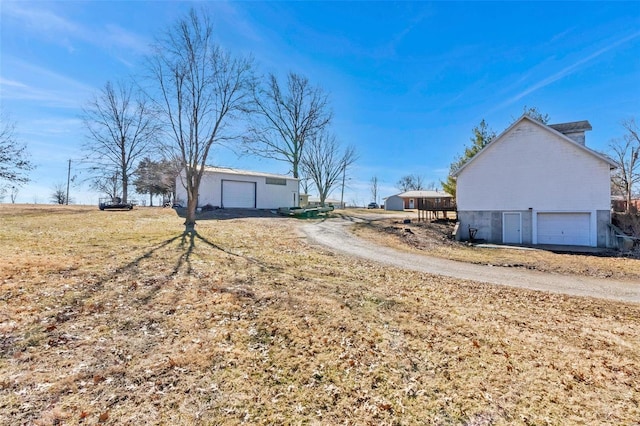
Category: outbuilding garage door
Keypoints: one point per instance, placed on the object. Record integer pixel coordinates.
(564, 228)
(236, 194)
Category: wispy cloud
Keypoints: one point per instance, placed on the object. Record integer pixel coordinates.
(568, 70)
(389, 49)
(120, 37)
(44, 86)
(11, 84)
(225, 11)
(58, 30)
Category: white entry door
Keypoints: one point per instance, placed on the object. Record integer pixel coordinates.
(511, 232)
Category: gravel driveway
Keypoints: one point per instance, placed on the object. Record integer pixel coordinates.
(333, 233)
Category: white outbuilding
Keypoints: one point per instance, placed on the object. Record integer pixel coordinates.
(231, 188)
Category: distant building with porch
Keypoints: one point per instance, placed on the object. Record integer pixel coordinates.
(411, 200)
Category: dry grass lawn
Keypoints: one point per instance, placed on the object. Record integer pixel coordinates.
(118, 318)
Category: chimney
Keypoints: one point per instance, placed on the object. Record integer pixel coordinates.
(574, 130)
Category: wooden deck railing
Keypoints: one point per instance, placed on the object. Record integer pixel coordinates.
(440, 204)
(430, 208)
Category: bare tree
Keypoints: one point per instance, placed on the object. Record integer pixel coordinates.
(13, 194)
(121, 129)
(11, 190)
(625, 152)
(285, 121)
(374, 188)
(305, 184)
(108, 182)
(14, 164)
(325, 163)
(59, 194)
(410, 183)
(200, 89)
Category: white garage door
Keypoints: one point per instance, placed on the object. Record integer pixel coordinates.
(236, 194)
(564, 228)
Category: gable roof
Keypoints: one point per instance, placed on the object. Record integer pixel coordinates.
(554, 128)
(230, 171)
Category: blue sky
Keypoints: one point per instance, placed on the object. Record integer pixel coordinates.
(407, 80)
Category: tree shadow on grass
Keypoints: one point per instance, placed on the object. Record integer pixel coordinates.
(189, 239)
(187, 242)
(231, 213)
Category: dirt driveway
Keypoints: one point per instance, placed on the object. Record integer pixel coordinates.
(333, 233)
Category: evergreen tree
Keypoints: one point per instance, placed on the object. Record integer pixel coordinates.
(482, 136)
(154, 178)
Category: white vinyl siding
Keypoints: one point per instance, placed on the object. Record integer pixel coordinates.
(237, 194)
(532, 168)
(250, 190)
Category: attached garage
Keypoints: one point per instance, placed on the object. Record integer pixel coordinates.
(564, 228)
(238, 194)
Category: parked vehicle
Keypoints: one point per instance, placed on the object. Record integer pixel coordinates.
(372, 206)
(114, 203)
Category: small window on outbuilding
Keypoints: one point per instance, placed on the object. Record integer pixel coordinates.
(276, 181)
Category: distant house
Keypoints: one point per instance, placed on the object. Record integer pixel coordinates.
(536, 184)
(619, 204)
(232, 188)
(410, 199)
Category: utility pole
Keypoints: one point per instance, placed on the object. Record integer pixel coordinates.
(344, 169)
(68, 179)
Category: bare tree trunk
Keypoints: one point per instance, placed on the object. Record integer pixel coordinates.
(192, 205)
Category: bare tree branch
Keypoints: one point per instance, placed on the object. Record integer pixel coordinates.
(121, 129)
(59, 194)
(284, 122)
(410, 183)
(324, 162)
(14, 164)
(625, 152)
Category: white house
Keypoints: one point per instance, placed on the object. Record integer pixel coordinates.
(231, 188)
(536, 184)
